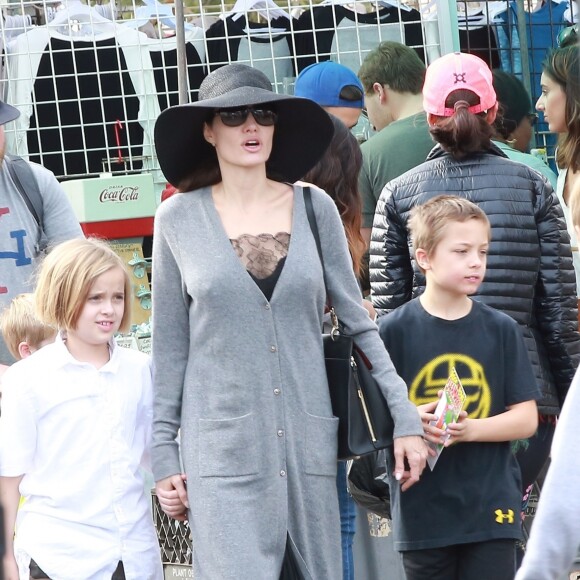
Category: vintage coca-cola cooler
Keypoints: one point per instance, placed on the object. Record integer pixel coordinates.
(114, 207)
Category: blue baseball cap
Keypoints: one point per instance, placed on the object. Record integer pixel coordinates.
(330, 85)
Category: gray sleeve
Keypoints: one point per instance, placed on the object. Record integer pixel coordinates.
(59, 220)
(171, 340)
(555, 534)
(347, 301)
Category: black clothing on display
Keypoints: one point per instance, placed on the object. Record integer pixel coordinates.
(482, 43)
(165, 72)
(474, 492)
(86, 109)
(237, 40)
(321, 31)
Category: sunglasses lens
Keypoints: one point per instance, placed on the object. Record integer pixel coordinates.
(533, 117)
(264, 117)
(237, 117)
(233, 118)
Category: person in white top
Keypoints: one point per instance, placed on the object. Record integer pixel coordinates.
(560, 105)
(75, 431)
(555, 535)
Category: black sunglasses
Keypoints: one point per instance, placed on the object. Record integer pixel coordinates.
(237, 117)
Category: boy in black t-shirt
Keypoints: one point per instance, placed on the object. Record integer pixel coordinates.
(461, 521)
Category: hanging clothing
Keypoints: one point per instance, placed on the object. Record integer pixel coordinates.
(333, 32)
(82, 99)
(269, 48)
(163, 52)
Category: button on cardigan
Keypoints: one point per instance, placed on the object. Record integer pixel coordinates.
(233, 373)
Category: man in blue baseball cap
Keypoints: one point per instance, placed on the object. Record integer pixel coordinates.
(335, 88)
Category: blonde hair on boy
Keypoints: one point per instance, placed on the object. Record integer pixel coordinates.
(429, 221)
(19, 323)
(66, 276)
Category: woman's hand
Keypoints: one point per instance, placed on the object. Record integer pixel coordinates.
(414, 450)
(172, 496)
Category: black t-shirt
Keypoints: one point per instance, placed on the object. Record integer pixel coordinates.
(474, 492)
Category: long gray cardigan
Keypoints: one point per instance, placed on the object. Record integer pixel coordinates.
(244, 379)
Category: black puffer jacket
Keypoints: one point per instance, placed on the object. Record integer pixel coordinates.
(529, 266)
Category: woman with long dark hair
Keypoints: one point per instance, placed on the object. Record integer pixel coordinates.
(337, 174)
(560, 105)
(238, 305)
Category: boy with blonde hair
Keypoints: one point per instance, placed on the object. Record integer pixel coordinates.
(23, 332)
(461, 521)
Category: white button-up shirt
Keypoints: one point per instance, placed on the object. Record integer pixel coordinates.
(80, 437)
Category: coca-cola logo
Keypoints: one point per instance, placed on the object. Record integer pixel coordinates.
(119, 194)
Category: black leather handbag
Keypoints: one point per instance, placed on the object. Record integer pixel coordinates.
(365, 422)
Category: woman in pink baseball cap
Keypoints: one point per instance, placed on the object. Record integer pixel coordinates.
(530, 277)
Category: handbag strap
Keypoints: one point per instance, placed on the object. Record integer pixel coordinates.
(314, 227)
(336, 326)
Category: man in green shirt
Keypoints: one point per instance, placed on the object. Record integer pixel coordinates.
(392, 76)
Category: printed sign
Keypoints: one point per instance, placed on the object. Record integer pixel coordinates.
(172, 571)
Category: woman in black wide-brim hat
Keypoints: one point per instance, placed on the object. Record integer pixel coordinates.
(238, 305)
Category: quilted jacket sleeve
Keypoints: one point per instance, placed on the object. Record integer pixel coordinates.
(555, 296)
(391, 272)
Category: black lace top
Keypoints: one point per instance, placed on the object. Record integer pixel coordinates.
(263, 256)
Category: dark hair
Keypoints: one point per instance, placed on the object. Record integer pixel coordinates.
(337, 173)
(503, 126)
(202, 175)
(463, 133)
(562, 65)
(514, 103)
(395, 65)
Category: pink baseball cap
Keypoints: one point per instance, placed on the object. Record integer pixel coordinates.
(453, 72)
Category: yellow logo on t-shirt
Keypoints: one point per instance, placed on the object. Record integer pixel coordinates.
(433, 376)
(501, 518)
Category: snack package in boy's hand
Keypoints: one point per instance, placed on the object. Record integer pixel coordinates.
(447, 411)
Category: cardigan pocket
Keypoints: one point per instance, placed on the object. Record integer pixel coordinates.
(227, 447)
(320, 445)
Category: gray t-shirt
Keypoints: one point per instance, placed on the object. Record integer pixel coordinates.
(19, 235)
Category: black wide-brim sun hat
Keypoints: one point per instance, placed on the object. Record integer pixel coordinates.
(301, 135)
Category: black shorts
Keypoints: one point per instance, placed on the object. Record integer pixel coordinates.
(492, 559)
(37, 574)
